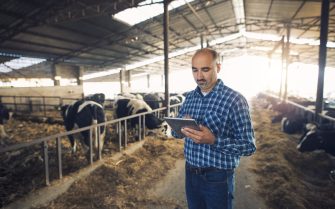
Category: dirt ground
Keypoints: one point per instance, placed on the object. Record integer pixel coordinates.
(124, 184)
(285, 178)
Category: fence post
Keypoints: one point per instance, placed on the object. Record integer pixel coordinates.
(46, 162)
(139, 128)
(120, 135)
(59, 158)
(125, 133)
(90, 148)
(99, 143)
(143, 126)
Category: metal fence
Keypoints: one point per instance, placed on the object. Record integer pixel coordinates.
(308, 113)
(93, 130)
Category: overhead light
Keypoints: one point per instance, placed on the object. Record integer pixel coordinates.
(146, 10)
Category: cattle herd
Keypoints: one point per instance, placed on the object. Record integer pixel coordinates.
(79, 114)
(313, 136)
(91, 110)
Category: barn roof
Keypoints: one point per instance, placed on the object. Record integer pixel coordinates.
(85, 32)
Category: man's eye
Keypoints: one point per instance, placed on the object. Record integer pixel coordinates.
(194, 70)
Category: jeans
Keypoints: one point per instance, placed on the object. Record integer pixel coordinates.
(212, 189)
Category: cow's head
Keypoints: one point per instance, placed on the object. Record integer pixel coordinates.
(162, 130)
(63, 110)
(310, 141)
(165, 130)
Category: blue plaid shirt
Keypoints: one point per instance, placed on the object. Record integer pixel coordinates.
(226, 113)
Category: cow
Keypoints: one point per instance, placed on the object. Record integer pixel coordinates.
(5, 115)
(153, 100)
(98, 97)
(292, 124)
(81, 114)
(129, 96)
(317, 139)
(127, 107)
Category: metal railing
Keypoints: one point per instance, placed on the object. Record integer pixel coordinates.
(92, 129)
(309, 113)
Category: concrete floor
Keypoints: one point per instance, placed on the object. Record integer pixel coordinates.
(172, 187)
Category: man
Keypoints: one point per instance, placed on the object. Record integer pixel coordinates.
(225, 135)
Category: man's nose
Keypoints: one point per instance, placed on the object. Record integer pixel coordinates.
(199, 75)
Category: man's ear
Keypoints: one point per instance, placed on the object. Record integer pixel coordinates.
(218, 66)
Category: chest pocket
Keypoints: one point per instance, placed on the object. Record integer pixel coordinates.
(216, 122)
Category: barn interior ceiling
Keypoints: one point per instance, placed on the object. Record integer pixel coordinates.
(86, 33)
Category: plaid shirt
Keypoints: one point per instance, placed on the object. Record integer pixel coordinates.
(226, 113)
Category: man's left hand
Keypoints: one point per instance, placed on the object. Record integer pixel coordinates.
(204, 136)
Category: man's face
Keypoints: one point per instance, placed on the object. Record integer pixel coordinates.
(205, 71)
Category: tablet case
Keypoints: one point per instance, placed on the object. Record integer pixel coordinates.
(178, 123)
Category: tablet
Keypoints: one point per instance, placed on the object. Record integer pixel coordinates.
(178, 123)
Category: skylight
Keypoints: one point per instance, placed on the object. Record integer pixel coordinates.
(19, 63)
(146, 10)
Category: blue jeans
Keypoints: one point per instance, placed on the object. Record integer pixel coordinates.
(212, 189)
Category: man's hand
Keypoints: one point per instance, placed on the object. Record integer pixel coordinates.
(204, 136)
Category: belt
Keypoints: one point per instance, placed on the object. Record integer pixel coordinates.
(203, 170)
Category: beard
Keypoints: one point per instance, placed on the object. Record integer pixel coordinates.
(202, 83)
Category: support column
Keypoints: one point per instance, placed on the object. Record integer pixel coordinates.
(166, 55)
(80, 75)
(322, 56)
(55, 77)
(287, 59)
(282, 67)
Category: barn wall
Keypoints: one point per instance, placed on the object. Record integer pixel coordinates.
(32, 99)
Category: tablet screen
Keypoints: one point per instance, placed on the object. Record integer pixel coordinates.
(178, 123)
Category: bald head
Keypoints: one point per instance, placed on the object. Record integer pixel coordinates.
(205, 67)
(208, 51)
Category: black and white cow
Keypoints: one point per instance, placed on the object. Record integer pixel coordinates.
(292, 124)
(317, 139)
(127, 107)
(5, 115)
(81, 114)
(98, 97)
(153, 100)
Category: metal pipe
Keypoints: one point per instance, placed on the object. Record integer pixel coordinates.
(59, 158)
(166, 55)
(125, 134)
(322, 56)
(287, 58)
(90, 147)
(99, 143)
(139, 129)
(46, 162)
(120, 134)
